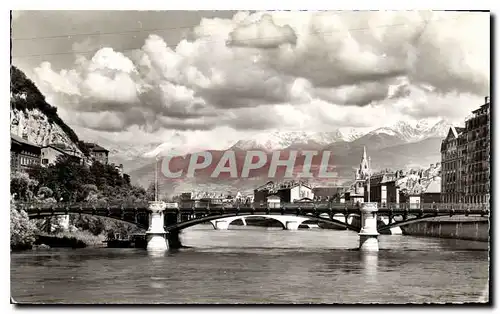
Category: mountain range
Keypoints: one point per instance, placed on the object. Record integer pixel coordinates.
(400, 145)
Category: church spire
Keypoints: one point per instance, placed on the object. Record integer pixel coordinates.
(364, 153)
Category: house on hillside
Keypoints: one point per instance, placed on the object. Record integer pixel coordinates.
(50, 153)
(98, 153)
(23, 154)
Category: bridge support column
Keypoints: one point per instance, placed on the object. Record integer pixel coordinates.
(292, 225)
(221, 224)
(368, 235)
(155, 235)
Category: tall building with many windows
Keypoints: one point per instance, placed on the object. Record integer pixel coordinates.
(451, 163)
(477, 158)
(465, 158)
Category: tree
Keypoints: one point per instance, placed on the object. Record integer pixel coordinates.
(44, 192)
(22, 230)
(22, 186)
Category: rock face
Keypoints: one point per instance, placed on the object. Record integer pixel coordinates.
(39, 130)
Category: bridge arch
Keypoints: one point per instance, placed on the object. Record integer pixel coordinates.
(141, 220)
(287, 222)
(282, 218)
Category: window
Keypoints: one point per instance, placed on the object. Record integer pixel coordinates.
(45, 161)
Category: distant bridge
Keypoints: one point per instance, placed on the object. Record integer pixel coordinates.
(180, 217)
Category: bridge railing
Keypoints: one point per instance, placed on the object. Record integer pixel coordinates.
(313, 206)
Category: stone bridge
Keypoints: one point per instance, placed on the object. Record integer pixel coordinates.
(166, 219)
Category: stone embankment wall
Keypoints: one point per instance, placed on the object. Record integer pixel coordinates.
(459, 227)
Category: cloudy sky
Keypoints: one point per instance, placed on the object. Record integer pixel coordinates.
(213, 77)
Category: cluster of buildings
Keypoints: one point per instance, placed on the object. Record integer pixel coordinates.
(25, 154)
(462, 176)
(465, 155)
(413, 186)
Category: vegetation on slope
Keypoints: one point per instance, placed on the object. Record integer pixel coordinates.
(68, 181)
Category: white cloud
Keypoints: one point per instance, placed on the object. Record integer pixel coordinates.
(326, 70)
(263, 33)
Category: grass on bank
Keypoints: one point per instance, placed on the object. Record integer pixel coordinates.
(76, 238)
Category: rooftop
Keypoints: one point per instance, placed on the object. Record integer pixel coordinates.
(95, 147)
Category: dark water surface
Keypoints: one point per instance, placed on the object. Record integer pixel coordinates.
(258, 265)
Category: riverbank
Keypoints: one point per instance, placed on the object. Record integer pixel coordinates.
(65, 239)
(462, 228)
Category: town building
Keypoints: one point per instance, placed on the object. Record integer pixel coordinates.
(98, 153)
(23, 154)
(50, 153)
(451, 160)
(287, 191)
(383, 188)
(477, 158)
(328, 193)
(432, 192)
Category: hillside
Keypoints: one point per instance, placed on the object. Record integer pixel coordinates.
(31, 115)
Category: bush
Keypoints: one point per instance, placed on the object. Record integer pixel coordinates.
(73, 239)
(22, 230)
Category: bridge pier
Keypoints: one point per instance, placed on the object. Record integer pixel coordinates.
(221, 224)
(368, 235)
(155, 236)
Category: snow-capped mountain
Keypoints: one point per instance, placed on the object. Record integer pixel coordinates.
(395, 134)
(417, 131)
(270, 141)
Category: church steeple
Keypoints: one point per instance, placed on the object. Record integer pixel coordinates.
(363, 170)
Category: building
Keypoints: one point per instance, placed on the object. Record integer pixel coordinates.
(23, 154)
(288, 191)
(383, 188)
(50, 153)
(477, 158)
(465, 160)
(451, 165)
(98, 153)
(328, 193)
(432, 192)
(356, 194)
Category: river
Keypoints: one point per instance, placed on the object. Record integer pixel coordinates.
(258, 265)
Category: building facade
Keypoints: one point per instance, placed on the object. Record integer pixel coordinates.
(465, 158)
(50, 153)
(451, 166)
(23, 154)
(288, 191)
(477, 158)
(383, 188)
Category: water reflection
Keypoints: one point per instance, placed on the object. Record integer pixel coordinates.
(369, 261)
(156, 253)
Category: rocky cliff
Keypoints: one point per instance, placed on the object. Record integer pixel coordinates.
(36, 126)
(32, 116)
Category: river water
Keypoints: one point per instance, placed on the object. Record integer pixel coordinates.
(258, 265)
